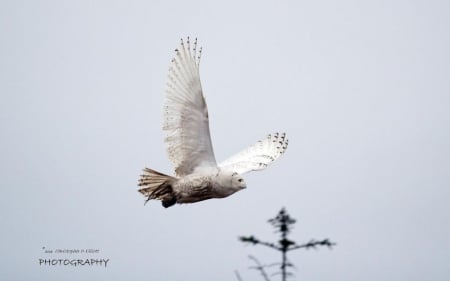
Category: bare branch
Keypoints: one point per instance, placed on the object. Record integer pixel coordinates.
(260, 268)
(255, 241)
(313, 244)
(238, 276)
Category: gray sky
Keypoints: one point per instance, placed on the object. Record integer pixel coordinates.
(362, 89)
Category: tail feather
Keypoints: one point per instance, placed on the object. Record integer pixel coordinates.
(156, 185)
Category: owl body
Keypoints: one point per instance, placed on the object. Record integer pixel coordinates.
(208, 184)
(198, 187)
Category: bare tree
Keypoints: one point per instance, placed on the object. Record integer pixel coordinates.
(283, 224)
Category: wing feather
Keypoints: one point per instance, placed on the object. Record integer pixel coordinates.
(186, 120)
(258, 156)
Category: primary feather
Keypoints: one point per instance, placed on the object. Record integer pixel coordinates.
(186, 121)
(258, 156)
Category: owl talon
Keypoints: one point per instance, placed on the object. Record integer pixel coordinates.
(169, 202)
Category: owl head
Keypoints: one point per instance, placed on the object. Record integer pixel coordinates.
(228, 182)
(237, 181)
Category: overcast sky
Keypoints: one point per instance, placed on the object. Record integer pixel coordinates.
(362, 89)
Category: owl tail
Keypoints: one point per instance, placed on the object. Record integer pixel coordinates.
(156, 185)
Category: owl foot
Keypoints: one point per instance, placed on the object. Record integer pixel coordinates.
(170, 201)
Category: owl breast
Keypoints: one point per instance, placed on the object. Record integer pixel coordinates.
(195, 188)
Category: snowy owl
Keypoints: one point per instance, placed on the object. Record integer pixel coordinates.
(186, 124)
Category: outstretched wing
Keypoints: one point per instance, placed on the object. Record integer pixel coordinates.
(257, 156)
(185, 113)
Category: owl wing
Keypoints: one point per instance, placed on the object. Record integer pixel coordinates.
(186, 120)
(258, 156)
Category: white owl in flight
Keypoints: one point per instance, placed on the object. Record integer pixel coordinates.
(186, 123)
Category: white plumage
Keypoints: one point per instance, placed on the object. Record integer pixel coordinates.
(186, 123)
